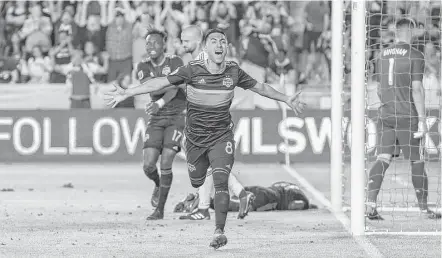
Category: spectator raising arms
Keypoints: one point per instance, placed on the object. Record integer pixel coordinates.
(61, 56)
(119, 41)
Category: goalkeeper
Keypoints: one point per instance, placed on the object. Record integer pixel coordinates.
(401, 116)
(279, 196)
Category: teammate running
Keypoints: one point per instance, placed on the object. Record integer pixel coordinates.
(209, 135)
(192, 37)
(164, 129)
(402, 115)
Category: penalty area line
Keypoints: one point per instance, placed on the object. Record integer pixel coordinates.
(364, 243)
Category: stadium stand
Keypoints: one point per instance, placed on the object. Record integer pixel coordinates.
(41, 43)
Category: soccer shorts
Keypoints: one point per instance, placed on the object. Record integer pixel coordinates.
(398, 132)
(199, 159)
(165, 133)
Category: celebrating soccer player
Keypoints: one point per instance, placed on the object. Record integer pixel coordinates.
(209, 128)
(402, 116)
(164, 129)
(192, 37)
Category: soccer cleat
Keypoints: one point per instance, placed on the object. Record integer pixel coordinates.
(245, 204)
(219, 239)
(371, 213)
(432, 214)
(199, 214)
(156, 215)
(155, 196)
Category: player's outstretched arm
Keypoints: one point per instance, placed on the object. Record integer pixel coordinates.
(154, 107)
(268, 91)
(119, 94)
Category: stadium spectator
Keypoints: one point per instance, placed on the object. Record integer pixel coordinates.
(79, 79)
(97, 63)
(92, 26)
(37, 29)
(119, 42)
(61, 56)
(38, 66)
(9, 70)
(16, 15)
(317, 15)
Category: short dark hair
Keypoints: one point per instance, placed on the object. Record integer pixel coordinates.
(211, 31)
(409, 23)
(163, 35)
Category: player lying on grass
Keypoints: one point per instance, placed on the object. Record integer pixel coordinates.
(192, 40)
(279, 196)
(209, 138)
(166, 122)
(401, 116)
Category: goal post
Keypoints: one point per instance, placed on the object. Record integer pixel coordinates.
(358, 86)
(337, 64)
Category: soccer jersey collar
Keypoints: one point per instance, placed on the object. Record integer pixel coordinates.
(219, 72)
(160, 64)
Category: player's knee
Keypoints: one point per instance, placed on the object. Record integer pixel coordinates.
(196, 183)
(384, 157)
(221, 179)
(150, 170)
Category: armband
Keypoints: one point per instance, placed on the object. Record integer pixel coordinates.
(160, 103)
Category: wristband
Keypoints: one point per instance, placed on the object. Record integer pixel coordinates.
(160, 103)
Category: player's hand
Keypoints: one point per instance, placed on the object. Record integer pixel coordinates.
(152, 108)
(115, 96)
(422, 130)
(294, 103)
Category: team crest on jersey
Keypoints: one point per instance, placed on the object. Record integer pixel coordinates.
(227, 82)
(174, 72)
(166, 70)
(140, 75)
(191, 167)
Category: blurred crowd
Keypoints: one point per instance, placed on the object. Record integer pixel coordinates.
(45, 41)
(42, 41)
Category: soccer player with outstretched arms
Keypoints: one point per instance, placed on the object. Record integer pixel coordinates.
(401, 116)
(209, 128)
(192, 39)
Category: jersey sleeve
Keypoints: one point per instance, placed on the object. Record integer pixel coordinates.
(143, 72)
(176, 62)
(181, 75)
(417, 67)
(245, 81)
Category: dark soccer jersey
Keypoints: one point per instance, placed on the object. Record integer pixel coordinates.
(147, 70)
(209, 97)
(397, 67)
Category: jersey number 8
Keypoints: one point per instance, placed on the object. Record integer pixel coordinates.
(229, 148)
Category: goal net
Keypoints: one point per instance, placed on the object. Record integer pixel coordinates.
(396, 201)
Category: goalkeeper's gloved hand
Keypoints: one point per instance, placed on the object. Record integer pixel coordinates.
(422, 130)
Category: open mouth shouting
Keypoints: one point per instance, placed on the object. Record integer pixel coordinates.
(219, 53)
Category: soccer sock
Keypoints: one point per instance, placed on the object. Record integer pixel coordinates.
(222, 197)
(236, 187)
(205, 192)
(375, 179)
(152, 173)
(420, 182)
(165, 184)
